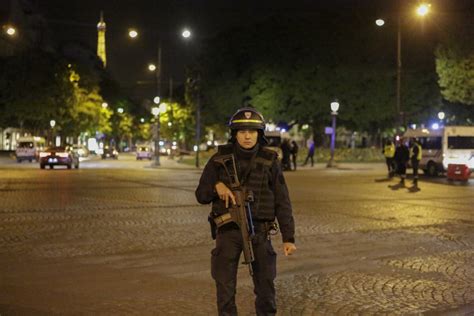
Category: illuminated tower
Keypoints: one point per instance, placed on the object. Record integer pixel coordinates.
(101, 39)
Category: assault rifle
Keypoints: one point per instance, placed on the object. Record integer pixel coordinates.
(240, 212)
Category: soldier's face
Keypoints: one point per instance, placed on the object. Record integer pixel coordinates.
(247, 138)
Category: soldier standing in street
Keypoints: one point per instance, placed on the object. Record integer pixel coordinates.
(259, 170)
(389, 153)
(402, 156)
(294, 153)
(415, 157)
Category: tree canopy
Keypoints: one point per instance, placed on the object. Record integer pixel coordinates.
(292, 68)
(455, 64)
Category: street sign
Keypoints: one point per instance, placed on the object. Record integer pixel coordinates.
(328, 130)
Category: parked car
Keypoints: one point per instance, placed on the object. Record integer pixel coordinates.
(59, 156)
(81, 150)
(144, 152)
(110, 152)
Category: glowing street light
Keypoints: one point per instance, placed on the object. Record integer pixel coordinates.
(379, 22)
(441, 115)
(423, 9)
(186, 33)
(120, 110)
(151, 67)
(156, 100)
(132, 33)
(10, 30)
(105, 105)
(52, 123)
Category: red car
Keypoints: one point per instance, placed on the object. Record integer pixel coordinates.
(59, 156)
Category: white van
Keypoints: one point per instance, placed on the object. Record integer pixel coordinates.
(28, 148)
(444, 146)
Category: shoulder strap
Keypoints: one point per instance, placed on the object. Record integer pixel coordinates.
(266, 156)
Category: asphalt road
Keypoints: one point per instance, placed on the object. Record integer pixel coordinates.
(120, 238)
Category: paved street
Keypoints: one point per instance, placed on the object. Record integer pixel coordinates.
(119, 237)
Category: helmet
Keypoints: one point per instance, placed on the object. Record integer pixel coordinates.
(247, 118)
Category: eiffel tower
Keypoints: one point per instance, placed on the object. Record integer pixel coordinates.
(101, 39)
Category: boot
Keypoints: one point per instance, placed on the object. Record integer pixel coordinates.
(415, 183)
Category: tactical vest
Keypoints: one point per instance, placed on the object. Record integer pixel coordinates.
(259, 182)
(418, 157)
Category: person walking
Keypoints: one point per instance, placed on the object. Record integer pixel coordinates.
(310, 146)
(401, 157)
(259, 171)
(389, 153)
(294, 153)
(286, 152)
(415, 157)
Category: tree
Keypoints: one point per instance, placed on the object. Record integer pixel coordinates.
(455, 65)
(35, 87)
(293, 74)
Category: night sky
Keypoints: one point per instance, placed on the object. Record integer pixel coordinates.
(127, 59)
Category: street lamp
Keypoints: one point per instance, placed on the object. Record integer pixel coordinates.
(156, 111)
(132, 33)
(379, 22)
(9, 30)
(334, 109)
(422, 10)
(52, 123)
(186, 33)
(105, 105)
(441, 115)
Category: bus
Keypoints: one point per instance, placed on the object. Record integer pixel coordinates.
(444, 146)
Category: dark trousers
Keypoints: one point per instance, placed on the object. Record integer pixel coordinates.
(390, 167)
(415, 163)
(402, 169)
(293, 158)
(224, 265)
(310, 156)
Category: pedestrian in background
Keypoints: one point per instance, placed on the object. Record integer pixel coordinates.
(389, 153)
(310, 146)
(286, 152)
(415, 157)
(259, 171)
(294, 153)
(402, 155)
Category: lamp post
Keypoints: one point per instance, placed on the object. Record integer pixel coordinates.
(156, 111)
(52, 123)
(194, 84)
(334, 108)
(421, 11)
